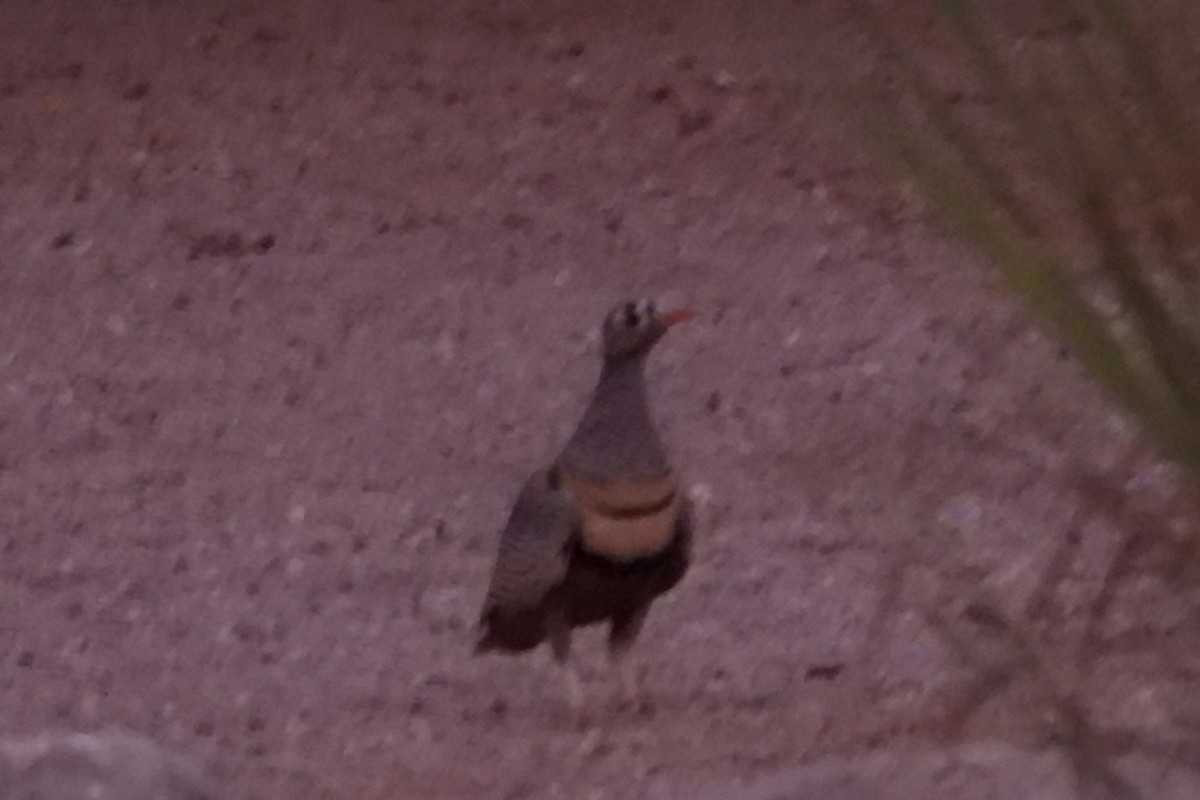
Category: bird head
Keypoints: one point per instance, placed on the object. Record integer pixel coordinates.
(632, 327)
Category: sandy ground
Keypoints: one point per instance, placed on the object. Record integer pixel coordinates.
(295, 294)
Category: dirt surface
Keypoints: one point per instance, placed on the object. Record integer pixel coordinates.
(296, 294)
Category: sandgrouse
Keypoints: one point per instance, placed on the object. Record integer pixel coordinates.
(600, 533)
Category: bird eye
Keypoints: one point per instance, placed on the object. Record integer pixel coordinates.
(632, 317)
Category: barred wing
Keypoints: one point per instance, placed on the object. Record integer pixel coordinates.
(533, 553)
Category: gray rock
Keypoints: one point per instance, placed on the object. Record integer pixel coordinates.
(111, 765)
(978, 771)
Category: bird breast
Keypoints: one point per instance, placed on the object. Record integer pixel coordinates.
(625, 519)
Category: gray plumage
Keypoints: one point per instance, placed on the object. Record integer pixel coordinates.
(616, 436)
(603, 531)
(532, 559)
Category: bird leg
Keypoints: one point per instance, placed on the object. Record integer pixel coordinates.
(631, 693)
(560, 646)
(621, 636)
(573, 688)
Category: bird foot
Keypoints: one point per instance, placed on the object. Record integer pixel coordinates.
(640, 706)
(582, 721)
(632, 698)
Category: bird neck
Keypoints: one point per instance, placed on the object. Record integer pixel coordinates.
(622, 383)
(617, 434)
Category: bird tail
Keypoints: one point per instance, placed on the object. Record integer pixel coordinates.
(487, 639)
(484, 645)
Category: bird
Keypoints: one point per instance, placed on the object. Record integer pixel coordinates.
(604, 530)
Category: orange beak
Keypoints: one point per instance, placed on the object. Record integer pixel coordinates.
(675, 316)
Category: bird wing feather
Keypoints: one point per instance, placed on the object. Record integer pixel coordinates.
(533, 553)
